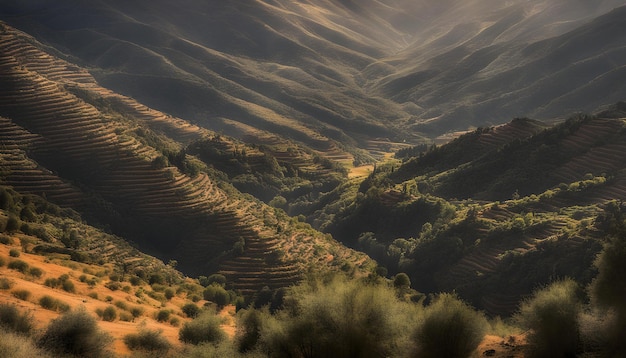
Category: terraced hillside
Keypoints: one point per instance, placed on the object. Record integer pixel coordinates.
(493, 214)
(57, 145)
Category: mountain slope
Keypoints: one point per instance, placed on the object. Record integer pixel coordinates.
(340, 74)
(96, 162)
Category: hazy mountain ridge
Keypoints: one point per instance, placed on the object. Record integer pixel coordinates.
(343, 72)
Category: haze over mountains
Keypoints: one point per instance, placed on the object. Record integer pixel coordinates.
(279, 99)
(347, 71)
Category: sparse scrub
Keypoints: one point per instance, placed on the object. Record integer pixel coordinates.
(2, 261)
(109, 314)
(52, 282)
(121, 305)
(217, 294)
(23, 295)
(136, 311)
(126, 317)
(6, 283)
(12, 319)
(191, 310)
(93, 295)
(5, 239)
(175, 321)
(35, 272)
(147, 340)
(14, 252)
(163, 315)
(205, 328)
(552, 316)
(77, 334)
(68, 286)
(449, 328)
(18, 265)
(13, 345)
(53, 304)
(168, 293)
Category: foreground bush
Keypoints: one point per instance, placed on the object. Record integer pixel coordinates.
(147, 340)
(552, 316)
(450, 328)
(339, 319)
(75, 333)
(205, 328)
(13, 320)
(19, 346)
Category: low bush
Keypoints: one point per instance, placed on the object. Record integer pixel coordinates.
(450, 328)
(121, 305)
(77, 334)
(53, 304)
(35, 272)
(68, 286)
(5, 283)
(18, 265)
(109, 314)
(52, 282)
(15, 345)
(14, 253)
(23, 295)
(191, 310)
(147, 340)
(163, 315)
(552, 316)
(93, 295)
(175, 321)
(12, 319)
(136, 311)
(5, 239)
(169, 293)
(205, 328)
(126, 317)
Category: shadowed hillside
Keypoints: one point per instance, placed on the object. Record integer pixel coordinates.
(337, 74)
(108, 166)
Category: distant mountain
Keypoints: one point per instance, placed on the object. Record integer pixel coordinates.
(342, 72)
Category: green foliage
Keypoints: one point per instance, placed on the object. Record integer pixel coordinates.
(53, 304)
(15, 321)
(109, 314)
(136, 311)
(75, 333)
(14, 252)
(13, 224)
(68, 286)
(339, 319)
(35, 272)
(18, 265)
(205, 328)
(401, 280)
(449, 328)
(21, 294)
(163, 315)
(169, 293)
(6, 283)
(249, 328)
(552, 316)
(147, 340)
(217, 294)
(191, 310)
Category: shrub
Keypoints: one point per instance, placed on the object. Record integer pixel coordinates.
(217, 294)
(175, 321)
(401, 280)
(126, 317)
(147, 340)
(18, 265)
(35, 272)
(5, 283)
(51, 282)
(13, 224)
(23, 295)
(5, 239)
(109, 314)
(2, 262)
(13, 320)
(205, 328)
(450, 328)
(113, 285)
(14, 253)
(191, 310)
(68, 286)
(163, 315)
(136, 311)
(75, 333)
(121, 305)
(93, 295)
(53, 304)
(168, 293)
(552, 316)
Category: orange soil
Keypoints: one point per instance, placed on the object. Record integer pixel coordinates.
(117, 329)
